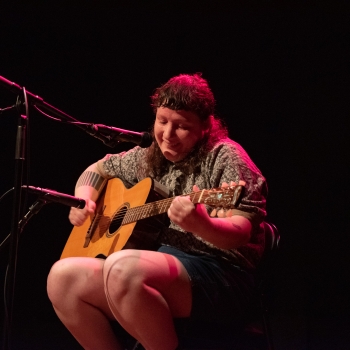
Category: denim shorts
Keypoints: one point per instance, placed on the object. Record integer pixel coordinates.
(221, 291)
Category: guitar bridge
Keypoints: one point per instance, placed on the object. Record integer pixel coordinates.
(93, 226)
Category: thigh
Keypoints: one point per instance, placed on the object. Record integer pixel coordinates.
(221, 292)
(163, 272)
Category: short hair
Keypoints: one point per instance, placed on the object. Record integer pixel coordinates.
(189, 92)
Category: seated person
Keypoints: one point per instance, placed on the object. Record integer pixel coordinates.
(203, 268)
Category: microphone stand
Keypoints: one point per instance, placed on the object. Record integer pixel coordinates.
(15, 222)
(11, 270)
(20, 153)
(108, 139)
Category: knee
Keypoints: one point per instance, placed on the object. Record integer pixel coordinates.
(121, 274)
(60, 279)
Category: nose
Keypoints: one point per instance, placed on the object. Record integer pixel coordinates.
(168, 132)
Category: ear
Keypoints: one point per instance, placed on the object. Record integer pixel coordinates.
(207, 124)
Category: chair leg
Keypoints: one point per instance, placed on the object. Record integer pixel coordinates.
(266, 324)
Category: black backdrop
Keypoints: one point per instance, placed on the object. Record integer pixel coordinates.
(280, 76)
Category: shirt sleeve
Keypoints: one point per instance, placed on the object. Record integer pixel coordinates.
(230, 162)
(127, 166)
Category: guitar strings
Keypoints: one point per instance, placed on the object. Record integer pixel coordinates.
(129, 215)
(139, 212)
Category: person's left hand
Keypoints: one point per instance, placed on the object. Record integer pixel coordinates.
(187, 215)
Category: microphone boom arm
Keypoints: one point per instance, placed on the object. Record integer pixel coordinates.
(108, 135)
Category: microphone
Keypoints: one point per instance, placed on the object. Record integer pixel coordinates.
(53, 196)
(143, 139)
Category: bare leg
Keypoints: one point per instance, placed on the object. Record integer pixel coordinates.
(146, 290)
(75, 288)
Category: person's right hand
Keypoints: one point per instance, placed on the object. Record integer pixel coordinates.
(78, 216)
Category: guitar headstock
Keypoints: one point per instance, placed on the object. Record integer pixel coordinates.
(222, 197)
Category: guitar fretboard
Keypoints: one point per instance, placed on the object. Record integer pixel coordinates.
(156, 208)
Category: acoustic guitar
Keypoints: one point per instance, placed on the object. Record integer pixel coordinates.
(119, 209)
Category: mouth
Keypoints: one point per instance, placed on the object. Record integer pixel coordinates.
(171, 145)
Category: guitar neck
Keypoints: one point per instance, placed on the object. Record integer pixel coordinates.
(217, 197)
(155, 208)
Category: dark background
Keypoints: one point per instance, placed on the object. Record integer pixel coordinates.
(280, 74)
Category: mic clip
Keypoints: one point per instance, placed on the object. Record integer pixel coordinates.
(113, 135)
(106, 139)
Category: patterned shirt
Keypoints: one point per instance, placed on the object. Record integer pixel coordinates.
(227, 161)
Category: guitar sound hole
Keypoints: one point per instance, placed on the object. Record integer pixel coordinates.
(117, 219)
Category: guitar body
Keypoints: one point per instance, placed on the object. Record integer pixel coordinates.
(103, 234)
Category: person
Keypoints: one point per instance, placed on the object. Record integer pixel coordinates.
(203, 267)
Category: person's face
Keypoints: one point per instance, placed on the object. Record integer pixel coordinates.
(177, 132)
